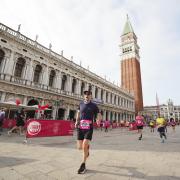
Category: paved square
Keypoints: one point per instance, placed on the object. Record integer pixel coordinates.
(116, 155)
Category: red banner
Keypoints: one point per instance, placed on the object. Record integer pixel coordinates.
(9, 123)
(47, 128)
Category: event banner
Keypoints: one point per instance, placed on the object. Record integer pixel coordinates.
(46, 128)
(9, 123)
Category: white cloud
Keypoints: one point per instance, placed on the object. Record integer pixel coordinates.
(90, 31)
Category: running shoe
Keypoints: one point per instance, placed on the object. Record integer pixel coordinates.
(162, 141)
(82, 169)
(9, 133)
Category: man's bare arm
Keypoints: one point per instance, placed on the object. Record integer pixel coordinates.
(77, 119)
(99, 117)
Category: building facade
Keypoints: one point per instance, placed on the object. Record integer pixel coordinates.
(130, 65)
(36, 75)
(167, 111)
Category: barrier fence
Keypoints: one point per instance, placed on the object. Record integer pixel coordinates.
(47, 128)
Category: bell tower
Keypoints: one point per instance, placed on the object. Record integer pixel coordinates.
(130, 65)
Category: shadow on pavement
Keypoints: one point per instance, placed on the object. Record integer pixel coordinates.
(12, 161)
(132, 173)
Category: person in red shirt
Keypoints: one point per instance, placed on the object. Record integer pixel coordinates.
(140, 124)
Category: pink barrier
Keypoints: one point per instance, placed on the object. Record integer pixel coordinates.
(47, 128)
(9, 123)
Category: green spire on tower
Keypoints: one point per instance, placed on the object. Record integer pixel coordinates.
(128, 27)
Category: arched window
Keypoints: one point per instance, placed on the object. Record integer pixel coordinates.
(111, 99)
(90, 87)
(1, 57)
(73, 85)
(96, 92)
(106, 96)
(51, 77)
(115, 99)
(82, 88)
(63, 84)
(37, 73)
(19, 67)
(101, 94)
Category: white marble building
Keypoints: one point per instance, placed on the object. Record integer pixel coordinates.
(37, 75)
(167, 111)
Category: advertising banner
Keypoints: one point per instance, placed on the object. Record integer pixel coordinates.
(47, 128)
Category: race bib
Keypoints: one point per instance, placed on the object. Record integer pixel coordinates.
(139, 122)
(85, 124)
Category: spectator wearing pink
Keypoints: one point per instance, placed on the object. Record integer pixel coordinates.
(106, 125)
(140, 124)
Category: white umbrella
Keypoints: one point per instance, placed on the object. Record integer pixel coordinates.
(13, 105)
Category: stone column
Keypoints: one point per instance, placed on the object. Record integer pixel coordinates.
(3, 96)
(9, 67)
(29, 70)
(45, 75)
(58, 80)
(78, 86)
(67, 113)
(93, 91)
(25, 100)
(69, 84)
(86, 86)
(3, 64)
(99, 93)
(113, 99)
(54, 112)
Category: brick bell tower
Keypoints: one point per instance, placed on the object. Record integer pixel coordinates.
(130, 65)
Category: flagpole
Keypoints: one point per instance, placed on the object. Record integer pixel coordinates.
(157, 103)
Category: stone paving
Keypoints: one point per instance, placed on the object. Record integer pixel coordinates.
(116, 155)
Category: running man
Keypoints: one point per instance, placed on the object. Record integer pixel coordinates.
(173, 124)
(20, 116)
(84, 124)
(152, 125)
(161, 123)
(140, 124)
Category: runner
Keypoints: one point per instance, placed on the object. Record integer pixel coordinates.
(173, 124)
(140, 124)
(106, 125)
(84, 124)
(152, 125)
(101, 124)
(161, 128)
(166, 124)
(2, 116)
(20, 115)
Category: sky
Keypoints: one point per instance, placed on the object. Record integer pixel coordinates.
(90, 31)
